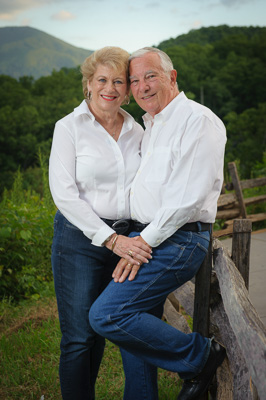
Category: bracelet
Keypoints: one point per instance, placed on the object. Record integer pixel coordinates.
(114, 242)
(107, 240)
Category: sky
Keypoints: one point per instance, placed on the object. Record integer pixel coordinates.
(130, 24)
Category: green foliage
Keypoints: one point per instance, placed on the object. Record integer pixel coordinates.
(246, 138)
(211, 34)
(28, 112)
(26, 233)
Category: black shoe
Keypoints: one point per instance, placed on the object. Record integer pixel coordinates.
(193, 389)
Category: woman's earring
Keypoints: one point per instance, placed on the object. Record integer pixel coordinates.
(127, 99)
(89, 96)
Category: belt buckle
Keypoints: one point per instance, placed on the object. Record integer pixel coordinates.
(121, 224)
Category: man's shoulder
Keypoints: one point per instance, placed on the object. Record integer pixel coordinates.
(197, 108)
(199, 111)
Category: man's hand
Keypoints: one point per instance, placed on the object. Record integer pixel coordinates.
(125, 269)
(134, 249)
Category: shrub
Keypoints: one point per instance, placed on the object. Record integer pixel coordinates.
(26, 232)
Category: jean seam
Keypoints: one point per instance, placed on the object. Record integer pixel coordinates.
(202, 247)
(58, 254)
(197, 246)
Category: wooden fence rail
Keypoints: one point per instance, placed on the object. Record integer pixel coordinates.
(220, 305)
(234, 205)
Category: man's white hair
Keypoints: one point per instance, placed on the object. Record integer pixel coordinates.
(166, 62)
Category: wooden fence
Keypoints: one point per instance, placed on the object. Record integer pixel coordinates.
(233, 205)
(220, 305)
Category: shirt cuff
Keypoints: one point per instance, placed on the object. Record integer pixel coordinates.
(102, 234)
(152, 236)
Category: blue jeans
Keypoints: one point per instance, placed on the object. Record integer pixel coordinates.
(81, 272)
(121, 312)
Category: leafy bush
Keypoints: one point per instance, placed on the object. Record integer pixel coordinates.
(26, 232)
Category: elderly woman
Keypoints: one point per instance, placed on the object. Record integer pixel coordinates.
(94, 157)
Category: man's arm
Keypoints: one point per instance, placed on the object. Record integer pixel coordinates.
(196, 176)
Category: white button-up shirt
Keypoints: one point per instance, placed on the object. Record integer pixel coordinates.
(181, 173)
(90, 174)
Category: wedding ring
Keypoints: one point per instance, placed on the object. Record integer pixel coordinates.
(129, 265)
(130, 253)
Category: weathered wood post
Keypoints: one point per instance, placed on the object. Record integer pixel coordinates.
(241, 241)
(237, 187)
(201, 316)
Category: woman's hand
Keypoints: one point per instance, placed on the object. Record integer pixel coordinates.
(123, 270)
(135, 250)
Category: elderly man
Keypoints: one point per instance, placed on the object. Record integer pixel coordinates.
(173, 203)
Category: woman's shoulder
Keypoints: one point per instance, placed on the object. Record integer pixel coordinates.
(82, 108)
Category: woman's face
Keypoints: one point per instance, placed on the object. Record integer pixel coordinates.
(108, 88)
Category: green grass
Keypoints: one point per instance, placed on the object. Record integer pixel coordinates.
(29, 357)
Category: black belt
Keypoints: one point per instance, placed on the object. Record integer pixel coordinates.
(121, 226)
(190, 226)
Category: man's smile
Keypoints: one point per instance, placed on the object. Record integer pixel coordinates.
(148, 97)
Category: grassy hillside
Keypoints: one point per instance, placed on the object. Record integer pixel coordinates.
(25, 51)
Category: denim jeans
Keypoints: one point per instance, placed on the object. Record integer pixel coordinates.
(81, 272)
(121, 312)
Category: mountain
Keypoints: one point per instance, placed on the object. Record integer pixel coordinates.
(211, 34)
(26, 51)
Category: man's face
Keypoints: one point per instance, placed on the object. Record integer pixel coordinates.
(152, 89)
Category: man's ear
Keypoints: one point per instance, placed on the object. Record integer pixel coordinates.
(173, 76)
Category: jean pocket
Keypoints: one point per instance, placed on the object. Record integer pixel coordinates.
(191, 264)
(203, 237)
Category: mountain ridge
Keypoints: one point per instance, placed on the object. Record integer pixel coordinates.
(26, 51)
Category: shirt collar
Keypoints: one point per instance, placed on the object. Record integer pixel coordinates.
(84, 109)
(166, 112)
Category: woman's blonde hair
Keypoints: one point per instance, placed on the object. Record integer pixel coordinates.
(114, 57)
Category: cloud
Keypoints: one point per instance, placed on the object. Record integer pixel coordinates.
(152, 5)
(63, 16)
(196, 24)
(12, 8)
(232, 3)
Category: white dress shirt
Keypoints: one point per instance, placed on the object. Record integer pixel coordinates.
(90, 174)
(181, 172)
